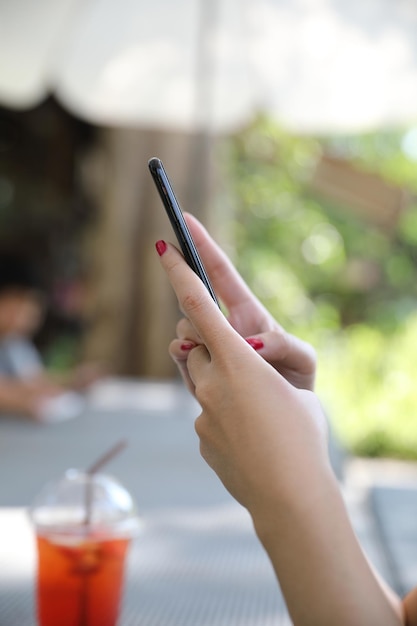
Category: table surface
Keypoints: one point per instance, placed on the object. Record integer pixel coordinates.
(196, 562)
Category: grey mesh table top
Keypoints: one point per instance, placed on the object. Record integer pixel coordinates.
(196, 561)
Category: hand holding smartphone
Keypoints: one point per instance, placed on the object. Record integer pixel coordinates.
(178, 222)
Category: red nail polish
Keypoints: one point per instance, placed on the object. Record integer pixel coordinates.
(187, 346)
(256, 344)
(161, 247)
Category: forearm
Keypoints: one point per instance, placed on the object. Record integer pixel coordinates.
(14, 397)
(22, 397)
(322, 571)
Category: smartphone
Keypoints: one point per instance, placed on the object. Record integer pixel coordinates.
(178, 222)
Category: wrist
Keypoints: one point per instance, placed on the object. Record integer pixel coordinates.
(285, 509)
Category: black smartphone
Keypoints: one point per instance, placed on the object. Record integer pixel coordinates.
(178, 222)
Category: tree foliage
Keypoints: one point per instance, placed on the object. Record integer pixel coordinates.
(332, 276)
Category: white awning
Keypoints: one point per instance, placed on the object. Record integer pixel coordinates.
(316, 65)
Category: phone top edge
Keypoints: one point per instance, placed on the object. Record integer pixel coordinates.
(154, 163)
(178, 222)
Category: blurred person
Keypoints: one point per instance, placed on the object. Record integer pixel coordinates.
(263, 431)
(26, 388)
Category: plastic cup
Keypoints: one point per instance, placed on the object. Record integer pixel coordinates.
(84, 524)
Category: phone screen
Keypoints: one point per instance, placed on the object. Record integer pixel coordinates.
(178, 222)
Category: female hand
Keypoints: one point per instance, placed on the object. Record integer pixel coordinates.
(254, 423)
(289, 355)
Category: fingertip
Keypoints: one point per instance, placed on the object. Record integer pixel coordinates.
(186, 346)
(161, 247)
(255, 342)
(179, 349)
(190, 217)
(199, 231)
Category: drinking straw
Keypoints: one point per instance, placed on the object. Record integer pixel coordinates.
(106, 457)
(103, 459)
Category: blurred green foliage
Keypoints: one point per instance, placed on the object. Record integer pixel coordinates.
(334, 278)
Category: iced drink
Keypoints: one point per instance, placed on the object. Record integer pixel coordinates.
(84, 526)
(80, 582)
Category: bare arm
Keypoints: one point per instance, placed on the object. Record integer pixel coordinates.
(18, 397)
(266, 440)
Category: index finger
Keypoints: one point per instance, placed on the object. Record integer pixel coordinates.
(195, 300)
(227, 281)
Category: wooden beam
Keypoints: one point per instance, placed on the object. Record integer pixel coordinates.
(366, 194)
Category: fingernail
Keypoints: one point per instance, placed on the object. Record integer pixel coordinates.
(187, 346)
(161, 247)
(256, 344)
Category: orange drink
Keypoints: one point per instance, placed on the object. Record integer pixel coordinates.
(84, 525)
(80, 582)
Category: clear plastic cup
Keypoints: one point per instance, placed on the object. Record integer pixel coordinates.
(84, 524)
